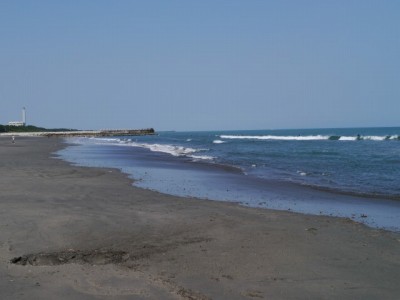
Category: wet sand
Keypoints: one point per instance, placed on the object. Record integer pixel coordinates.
(69, 232)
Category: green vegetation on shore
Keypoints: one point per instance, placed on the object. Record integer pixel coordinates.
(30, 128)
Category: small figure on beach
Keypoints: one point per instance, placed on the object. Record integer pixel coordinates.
(13, 139)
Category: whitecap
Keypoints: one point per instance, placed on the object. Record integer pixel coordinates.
(201, 157)
(375, 138)
(277, 137)
(162, 148)
(218, 142)
(170, 149)
(301, 173)
(348, 138)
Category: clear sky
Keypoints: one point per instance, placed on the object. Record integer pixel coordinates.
(200, 65)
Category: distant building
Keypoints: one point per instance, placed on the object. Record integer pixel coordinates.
(19, 123)
(16, 123)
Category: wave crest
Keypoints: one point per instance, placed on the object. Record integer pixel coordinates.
(310, 137)
(276, 137)
(162, 148)
(218, 142)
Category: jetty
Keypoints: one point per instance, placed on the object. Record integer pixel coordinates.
(85, 133)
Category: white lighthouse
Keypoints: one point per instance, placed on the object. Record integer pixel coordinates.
(19, 123)
(23, 116)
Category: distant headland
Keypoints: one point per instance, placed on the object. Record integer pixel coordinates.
(20, 128)
(31, 130)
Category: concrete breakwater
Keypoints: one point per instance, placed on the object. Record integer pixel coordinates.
(85, 133)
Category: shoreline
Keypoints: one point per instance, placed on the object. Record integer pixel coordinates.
(184, 177)
(83, 133)
(87, 233)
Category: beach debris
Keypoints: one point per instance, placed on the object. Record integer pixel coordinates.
(227, 276)
(189, 294)
(312, 230)
(95, 257)
(255, 294)
(100, 256)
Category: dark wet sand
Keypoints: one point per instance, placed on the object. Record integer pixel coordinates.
(87, 233)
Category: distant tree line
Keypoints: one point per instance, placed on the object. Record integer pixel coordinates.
(30, 128)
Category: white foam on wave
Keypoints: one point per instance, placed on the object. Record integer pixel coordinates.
(308, 137)
(102, 140)
(173, 150)
(367, 138)
(170, 149)
(202, 157)
(218, 142)
(163, 148)
(277, 137)
(302, 173)
(348, 138)
(375, 138)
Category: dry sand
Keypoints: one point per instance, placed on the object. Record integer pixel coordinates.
(87, 233)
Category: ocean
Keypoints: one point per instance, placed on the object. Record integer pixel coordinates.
(352, 172)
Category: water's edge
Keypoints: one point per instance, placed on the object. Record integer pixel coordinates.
(187, 179)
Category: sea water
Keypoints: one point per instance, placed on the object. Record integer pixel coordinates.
(352, 172)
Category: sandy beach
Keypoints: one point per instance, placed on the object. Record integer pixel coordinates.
(69, 232)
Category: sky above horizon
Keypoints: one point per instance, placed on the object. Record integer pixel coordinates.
(200, 65)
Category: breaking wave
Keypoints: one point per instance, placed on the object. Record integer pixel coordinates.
(218, 142)
(311, 137)
(162, 148)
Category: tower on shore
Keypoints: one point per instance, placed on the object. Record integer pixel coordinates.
(24, 116)
(19, 123)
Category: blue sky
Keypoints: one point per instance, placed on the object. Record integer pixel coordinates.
(200, 65)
